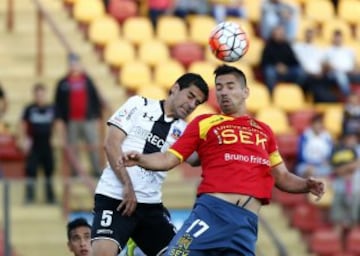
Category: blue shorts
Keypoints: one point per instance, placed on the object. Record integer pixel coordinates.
(216, 227)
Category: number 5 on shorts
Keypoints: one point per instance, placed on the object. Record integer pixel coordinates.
(106, 218)
(202, 229)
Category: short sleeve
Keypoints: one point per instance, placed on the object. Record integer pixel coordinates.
(125, 117)
(188, 141)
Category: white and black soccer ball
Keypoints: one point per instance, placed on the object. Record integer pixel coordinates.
(228, 41)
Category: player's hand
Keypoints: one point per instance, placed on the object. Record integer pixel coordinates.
(128, 204)
(315, 187)
(131, 158)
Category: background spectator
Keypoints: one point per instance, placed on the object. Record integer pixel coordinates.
(279, 62)
(157, 8)
(351, 120)
(221, 9)
(182, 8)
(345, 209)
(315, 147)
(36, 130)
(78, 108)
(341, 61)
(276, 13)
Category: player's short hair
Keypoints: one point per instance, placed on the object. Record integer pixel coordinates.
(190, 79)
(76, 223)
(226, 70)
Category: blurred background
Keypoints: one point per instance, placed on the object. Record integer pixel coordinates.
(304, 78)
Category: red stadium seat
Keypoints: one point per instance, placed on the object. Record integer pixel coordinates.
(122, 9)
(212, 99)
(353, 241)
(187, 53)
(326, 242)
(288, 147)
(300, 120)
(307, 218)
(287, 200)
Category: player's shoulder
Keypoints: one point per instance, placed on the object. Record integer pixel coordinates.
(141, 101)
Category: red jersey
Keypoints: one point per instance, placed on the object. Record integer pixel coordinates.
(236, 154)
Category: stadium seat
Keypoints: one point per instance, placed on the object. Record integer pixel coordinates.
(118, 52)
(165, 74)
(246, 69)
(201, 109)
(301, 119)
(253, 8)
(187, 53)
(253, 56)
(172, 30)
(134, 74)
(153, 52)
(103, 30)
(85, 11)
(200, 28)
(352, 242)
(212, 101)
(333, 117)
(320, 11)
(330, 26)
(137, 30)
(281, 125)
(348, 10)
(209, 56)
(276, 118)
(325, 242)
(307, 218)
(205, 69)
(259, 98)
(122, 9)
(152, 91)
(305, 24)
(288, 97)
(288, 145)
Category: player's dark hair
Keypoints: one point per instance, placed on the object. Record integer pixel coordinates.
(76, 223)
(226, 70)
(190, 79)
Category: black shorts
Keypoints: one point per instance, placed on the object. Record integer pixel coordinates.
(149, 226)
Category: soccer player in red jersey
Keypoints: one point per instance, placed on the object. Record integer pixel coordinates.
(240, 165)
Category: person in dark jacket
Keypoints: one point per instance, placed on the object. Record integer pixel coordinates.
(279, 62)
(78, 108)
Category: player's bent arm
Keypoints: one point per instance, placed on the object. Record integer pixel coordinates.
(158, 161)
(287, 181)
(113, 140)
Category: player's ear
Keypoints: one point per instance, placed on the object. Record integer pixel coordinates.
(175, 88)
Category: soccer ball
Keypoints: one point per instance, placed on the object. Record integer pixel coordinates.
(228, 41)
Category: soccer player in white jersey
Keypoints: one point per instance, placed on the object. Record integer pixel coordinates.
(128, 202)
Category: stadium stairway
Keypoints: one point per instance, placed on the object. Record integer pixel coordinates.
(39, 229)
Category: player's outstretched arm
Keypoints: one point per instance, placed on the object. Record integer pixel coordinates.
(289, 182)
(154, 162)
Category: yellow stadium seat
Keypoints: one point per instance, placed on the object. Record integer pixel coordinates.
(245, 68)
(166, 73)
(289, 97)
(152, 91)
(171, 30)
(330, 26)
(276, 118)
(200, 28)
(253, 8)
(135, 74)
(209, 56)
(153, 52)
(333, 117)
(305, 24)
(200, 110)
(259, 98)
(138, 30)
(85, 11)
(205, 69)
(253, 55)
(118, 52)
(70, 2)
(320, 10)
(103, 30)
(349, 11)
